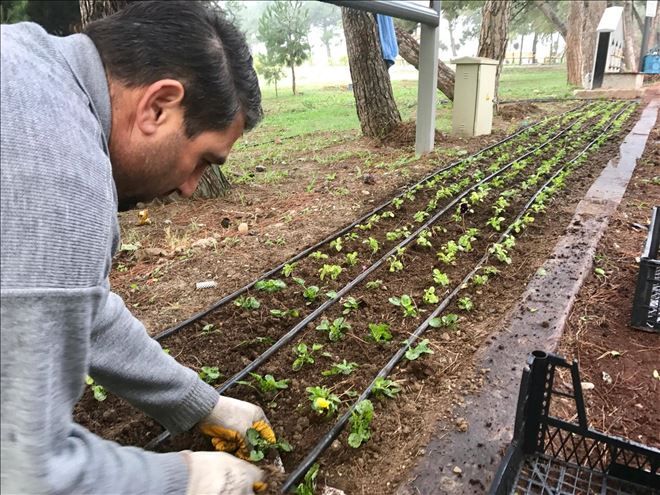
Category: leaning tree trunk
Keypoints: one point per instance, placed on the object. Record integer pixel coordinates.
(452, 42)
(494, 34)
(293, 78)
(535, 40)
(372, 87)
(409, 50)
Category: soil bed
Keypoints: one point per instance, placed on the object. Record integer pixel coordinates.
(598, 333)
(430, 386)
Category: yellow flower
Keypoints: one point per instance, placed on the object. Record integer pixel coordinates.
(321, 403)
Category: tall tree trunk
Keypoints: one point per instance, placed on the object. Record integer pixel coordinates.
(293, 78)
(452, 42)
(90, 10)
(583, 19)
(409, 51)
(522, 42)
(574, 43)
(535, 41)
(494, 34)
(629, 53)
(372, 87)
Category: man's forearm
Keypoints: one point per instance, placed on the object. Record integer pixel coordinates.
(126, 361)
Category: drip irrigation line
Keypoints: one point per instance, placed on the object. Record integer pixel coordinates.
(230, 297)
(334, 432)
(291, 334)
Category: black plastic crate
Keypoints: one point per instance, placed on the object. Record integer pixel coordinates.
(646, 305)
(552, 456)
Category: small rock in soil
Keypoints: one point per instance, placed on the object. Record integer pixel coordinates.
(457, 470)
(587, 386)
(445, 336)
(369, 179)
(225, 222)
(260, 168)
(336, 445)
(243, 228)
(462, 424)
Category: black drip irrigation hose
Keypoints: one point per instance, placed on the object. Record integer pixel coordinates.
(336, 430)
(291, 334)
(230, 297)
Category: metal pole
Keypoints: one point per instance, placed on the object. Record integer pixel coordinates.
(426, 86)
(645, 42)
(394, 8)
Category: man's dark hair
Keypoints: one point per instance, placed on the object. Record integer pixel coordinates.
(183, 40)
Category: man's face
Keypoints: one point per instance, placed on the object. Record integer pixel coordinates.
(151, 155)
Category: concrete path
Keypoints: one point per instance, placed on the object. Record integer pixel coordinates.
(491, 412)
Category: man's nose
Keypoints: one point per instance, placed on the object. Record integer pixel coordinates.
(189, 186)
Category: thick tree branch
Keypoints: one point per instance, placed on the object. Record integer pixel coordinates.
(549, 11)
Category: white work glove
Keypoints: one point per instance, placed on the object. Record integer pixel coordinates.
(217, 473)
(228, 423)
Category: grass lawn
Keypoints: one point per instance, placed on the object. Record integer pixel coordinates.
(320, 108)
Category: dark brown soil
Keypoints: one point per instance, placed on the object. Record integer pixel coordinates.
(430, 387)
(518, 111)
(600, 321)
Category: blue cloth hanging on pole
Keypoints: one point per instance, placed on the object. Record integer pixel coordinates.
(388, 43)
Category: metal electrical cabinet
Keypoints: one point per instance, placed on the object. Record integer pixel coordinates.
(474, 87)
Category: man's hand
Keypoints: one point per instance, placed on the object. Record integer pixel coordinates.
(228, 422)
(211, 473)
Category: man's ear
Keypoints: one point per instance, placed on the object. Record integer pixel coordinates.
(158, 104)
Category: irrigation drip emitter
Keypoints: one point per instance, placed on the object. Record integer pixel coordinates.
(336, 430)
(230, 297)
(291, 334)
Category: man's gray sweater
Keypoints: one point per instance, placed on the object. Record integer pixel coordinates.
(60, 321)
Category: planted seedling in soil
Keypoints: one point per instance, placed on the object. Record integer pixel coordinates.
(430, 297)
(343, 368)
(247, 302)
(448, 320)
(352, 258)
(323, 400)
(285, 313)
(374, 284)
(350, 304)
(310, 293)
(287, 269)
(360, 421)
(337, 244)
(332, 271)
(308, 486)
(465, 303)
(270, 285)
(336, 329)
(395, 264)
(259, 446)
(318, 255)
(406, 303)
(99, 392)
(414, 352)
(304, 355)
(380, 332)
(373, 245)
(267, 384)
(440, 278)
(209, 374)
(384, 387)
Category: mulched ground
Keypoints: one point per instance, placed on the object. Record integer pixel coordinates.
(616, 358)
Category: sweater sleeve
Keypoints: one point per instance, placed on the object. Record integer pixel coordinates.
(129, 363)
(44, 350)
